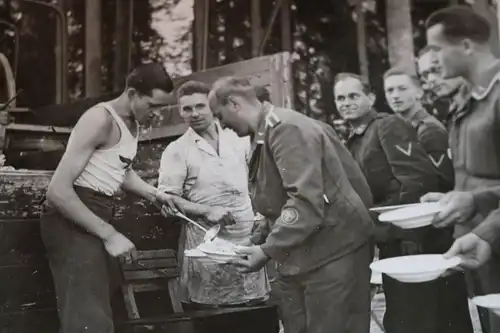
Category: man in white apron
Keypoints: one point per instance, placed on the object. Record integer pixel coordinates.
(208, 167)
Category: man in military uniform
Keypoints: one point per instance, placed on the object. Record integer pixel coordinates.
(403, 92)
(305, 181)
(462, 37)
(439, 94)
(398, 171)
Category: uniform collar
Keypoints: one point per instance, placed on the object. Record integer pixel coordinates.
(418, 116)
(361, 128)
(459, 98)
(268, 118)
(486, 81)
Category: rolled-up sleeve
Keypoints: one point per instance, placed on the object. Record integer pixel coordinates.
(173, 170)
(297, 157)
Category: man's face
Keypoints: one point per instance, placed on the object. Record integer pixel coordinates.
(233, 116)
(195, 111)
(401, 92)
(453, 56)
(351, 100)
(431, 72)
(146, 108)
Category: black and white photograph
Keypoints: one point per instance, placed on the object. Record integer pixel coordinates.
(249, 166)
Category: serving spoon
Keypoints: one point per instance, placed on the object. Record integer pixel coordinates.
(210, 234)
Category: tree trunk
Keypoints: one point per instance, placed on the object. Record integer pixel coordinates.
(93, 47)
(400, 34)
(483, 8)
(361, 39)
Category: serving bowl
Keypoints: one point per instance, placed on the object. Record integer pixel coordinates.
(416, 268)
(414, 216)
(491, 302)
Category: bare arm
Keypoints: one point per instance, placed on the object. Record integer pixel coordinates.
(134, 184)
(89, 133)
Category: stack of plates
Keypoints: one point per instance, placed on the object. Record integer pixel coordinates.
(218, 251)
(413, 216)
(491, 302)
(414, 269)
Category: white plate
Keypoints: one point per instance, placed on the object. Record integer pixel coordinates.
(491, 301)
(415, 216)
(414, 269)
(384, 209)
(218, 247)
(414, 211)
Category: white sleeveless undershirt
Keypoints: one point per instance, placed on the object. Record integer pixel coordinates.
(106, 169)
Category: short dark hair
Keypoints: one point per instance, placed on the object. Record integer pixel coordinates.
(147, 77)
(193, 87)
(401, 71)
(461, 22)
(344, 76)
(427, 49)
(230, 85)
(262, 94)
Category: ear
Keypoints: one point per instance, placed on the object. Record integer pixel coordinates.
(372, 97)
(233, 103)
(131, 93)
(468, 46)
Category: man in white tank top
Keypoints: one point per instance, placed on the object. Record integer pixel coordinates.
(75, 225)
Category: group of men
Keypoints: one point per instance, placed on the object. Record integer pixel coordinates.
(313, 190)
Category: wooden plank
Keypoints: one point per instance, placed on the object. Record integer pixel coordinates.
(38, 128)
(147, 275)
(141, 264)
(156, 254)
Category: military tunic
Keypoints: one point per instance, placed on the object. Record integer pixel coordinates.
(433, 137)
(322, 227)
(474, 128)
(399, 171)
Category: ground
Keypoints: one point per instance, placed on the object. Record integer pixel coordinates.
(378, 307)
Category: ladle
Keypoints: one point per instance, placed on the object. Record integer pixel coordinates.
(210, 234)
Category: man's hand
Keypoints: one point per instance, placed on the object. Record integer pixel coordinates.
(2, 160)
(118, 245)
(168, 202)
(246, 242)
(457, 207)
(432, 197)
(473, 251)
(219, 215)
(253, 261)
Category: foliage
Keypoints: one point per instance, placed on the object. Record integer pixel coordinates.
(324, 43)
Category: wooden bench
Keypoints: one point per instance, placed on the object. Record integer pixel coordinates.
(154, 270)
(159, 270)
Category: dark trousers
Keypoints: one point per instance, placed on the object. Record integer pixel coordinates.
(439, 306)
(82, 270)
(486, 280)
(332, 298)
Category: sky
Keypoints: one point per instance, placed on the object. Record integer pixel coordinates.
(172, 28)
